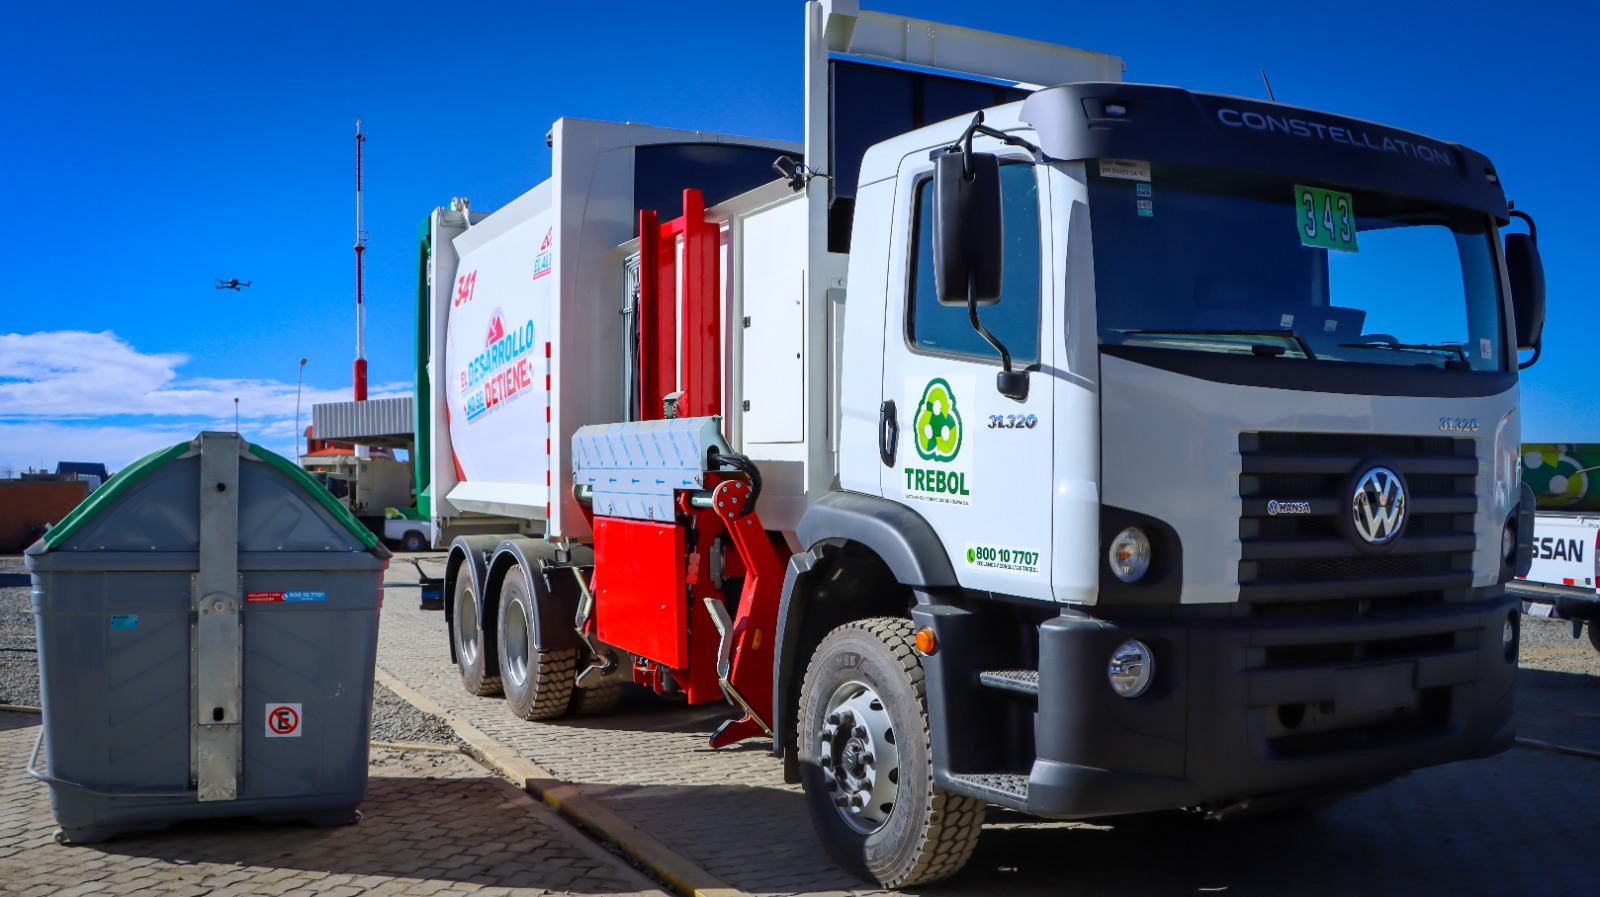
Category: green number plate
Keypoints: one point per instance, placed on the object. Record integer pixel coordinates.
(1326, 218)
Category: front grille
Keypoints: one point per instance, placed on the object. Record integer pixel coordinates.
(1313, 556)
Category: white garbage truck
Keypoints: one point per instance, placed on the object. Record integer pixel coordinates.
(1030, 438)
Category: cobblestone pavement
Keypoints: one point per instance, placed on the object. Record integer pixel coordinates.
(1519, 823)
(435, 824)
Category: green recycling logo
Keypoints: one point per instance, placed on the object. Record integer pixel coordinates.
(937, 423)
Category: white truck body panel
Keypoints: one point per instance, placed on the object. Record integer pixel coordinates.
(496, 358)
(524, 325)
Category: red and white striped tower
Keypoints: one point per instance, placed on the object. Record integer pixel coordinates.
(361, 308)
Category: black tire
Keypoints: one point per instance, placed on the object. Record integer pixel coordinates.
(537, 684)
(1594, 636)
(592, 700)
(414, 541)
(922, 833)
(474, 653)
(598, 694)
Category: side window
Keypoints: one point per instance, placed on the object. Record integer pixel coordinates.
(1015, 318)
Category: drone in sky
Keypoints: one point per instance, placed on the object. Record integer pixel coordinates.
(235, 284)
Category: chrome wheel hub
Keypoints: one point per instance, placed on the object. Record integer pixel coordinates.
(515, 664)
(467, 628)
(860, 762)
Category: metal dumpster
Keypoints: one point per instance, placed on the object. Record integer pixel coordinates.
(207, 627)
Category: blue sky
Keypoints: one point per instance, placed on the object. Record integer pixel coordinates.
(151, 149)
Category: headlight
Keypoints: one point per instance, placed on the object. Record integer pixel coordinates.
(1130, 554)
(1132, 667)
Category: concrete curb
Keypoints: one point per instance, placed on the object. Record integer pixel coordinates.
(1537, 745)
(572, 802)
(417, 746)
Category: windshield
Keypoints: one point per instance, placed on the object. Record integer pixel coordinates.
(1205, 259)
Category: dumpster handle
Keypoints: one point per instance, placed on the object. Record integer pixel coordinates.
(33, 760)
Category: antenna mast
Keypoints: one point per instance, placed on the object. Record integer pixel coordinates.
(361, 308)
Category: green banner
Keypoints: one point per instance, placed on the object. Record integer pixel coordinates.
(1326, 218)
(1563, 476)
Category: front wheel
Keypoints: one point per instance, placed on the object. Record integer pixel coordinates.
(866, 760)
(1594, 635)
(414, 541)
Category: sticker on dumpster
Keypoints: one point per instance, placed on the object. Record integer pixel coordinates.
(123, 622)
(283, 597)
(283, 720)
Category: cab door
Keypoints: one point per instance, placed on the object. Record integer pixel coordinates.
(974, 463)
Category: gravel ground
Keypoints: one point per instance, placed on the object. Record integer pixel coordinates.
(393, 719)
(19, 668)
(1548, 644)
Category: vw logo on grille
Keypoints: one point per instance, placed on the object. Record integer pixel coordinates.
(1378, 508)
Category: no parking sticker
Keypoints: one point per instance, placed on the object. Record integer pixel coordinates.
(283, 720)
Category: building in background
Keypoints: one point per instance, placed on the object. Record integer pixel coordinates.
(39, 499)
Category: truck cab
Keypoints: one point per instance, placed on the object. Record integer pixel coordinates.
(1247, 530)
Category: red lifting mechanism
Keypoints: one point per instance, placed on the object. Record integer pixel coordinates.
(662, 587)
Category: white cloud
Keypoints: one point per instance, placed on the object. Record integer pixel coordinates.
(67, 395)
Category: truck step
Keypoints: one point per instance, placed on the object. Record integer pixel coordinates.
(1025, 682)
(1003, 788)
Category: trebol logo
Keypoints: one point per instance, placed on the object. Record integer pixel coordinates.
(938, 423)
(937, 435)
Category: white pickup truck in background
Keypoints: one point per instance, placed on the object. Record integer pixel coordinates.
(1564, 580)
(403, 526)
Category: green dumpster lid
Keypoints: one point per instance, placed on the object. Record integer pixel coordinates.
(138, 470)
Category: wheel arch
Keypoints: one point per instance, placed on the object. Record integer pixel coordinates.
(469, 556)
(554, 603)
(865, 557)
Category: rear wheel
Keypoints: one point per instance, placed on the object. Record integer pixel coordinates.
(538, 684)
(479, 674)
(1594, 635)
(866, 760)
(414, 541)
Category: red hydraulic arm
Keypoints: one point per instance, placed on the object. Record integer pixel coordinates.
(745, 660)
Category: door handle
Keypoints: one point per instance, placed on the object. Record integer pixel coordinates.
(888, 432)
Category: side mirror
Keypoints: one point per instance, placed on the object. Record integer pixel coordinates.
(1526, 272)
(968, 243)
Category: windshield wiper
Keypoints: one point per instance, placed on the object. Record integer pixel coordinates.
(1459, 350)
(1281, 333)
